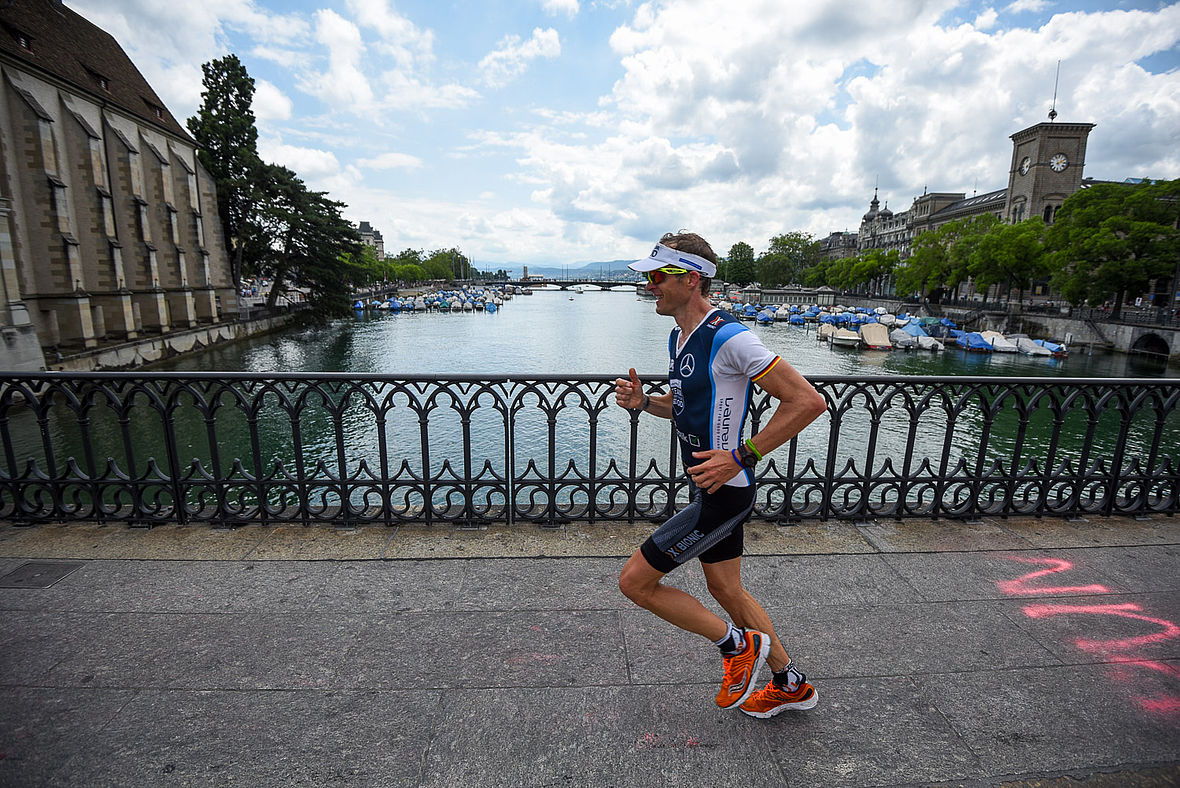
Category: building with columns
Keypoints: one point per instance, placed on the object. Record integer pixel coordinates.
(108, 222)
(1047, 164)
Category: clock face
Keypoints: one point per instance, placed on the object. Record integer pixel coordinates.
(1025, 163)
(1058, 163)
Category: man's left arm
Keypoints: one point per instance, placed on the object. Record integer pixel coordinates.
(799, 405)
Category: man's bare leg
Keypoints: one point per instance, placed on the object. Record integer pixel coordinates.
(640, 583)
(724, 580)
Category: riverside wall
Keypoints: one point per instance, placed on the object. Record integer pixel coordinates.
(1082, 336)
(129, 355)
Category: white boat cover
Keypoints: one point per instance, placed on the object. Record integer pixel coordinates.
(875, 336)
(1030, 348)
(998, 341)
(901, 339)
(846, 337)
(929, 343)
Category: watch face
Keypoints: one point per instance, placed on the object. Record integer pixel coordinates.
(1058, 162)
(1025, 163)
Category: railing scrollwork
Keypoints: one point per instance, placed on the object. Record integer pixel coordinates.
(232, 448)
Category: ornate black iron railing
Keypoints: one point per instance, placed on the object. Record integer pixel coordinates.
(231, 448)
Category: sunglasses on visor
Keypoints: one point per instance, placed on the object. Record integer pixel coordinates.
(660, 274)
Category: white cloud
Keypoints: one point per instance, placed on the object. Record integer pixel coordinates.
(169, 41)
(986, 20)
(391, 161)
(309, 164)
(568, 7)
(269, 102)
(512, 56)
(344, 84)
(1021, 6)
(738, 120)
(395, 35)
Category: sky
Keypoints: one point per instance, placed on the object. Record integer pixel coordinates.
(560, 132)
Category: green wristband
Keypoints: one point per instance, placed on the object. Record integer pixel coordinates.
(751, 447)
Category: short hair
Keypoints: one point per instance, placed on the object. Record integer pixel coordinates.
(693, 244)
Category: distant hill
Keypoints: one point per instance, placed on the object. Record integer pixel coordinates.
(612, 269)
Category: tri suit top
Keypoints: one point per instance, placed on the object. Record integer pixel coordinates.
(711, 376)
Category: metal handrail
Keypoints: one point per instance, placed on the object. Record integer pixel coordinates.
(228, 448)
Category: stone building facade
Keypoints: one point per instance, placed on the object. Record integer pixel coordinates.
(1047, 163)
(371, 237)
(108, 222)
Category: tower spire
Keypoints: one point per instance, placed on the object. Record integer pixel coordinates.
(1053, 108)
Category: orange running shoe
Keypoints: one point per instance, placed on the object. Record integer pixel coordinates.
(773, 699)
(741, 670)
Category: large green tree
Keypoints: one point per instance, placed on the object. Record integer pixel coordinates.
(874, 268)
(1012, 255)
(1111, 240)
(789, 255)
(228, 148)
(739, 266)
(940, 258)
(307, 241)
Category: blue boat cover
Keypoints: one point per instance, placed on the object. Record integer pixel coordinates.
(1052, 347)
(914, 330)
(974, 341)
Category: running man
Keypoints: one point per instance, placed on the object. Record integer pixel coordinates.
(715, 361)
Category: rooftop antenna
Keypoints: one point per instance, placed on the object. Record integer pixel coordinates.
(1053, 109)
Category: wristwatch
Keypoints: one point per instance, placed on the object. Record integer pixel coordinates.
(746, 457)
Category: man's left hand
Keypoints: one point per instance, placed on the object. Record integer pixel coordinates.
(718, 468)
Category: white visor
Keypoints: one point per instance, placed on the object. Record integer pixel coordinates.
(663, 255)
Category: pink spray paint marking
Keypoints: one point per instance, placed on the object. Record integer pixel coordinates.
(1117, 649)
(1019, 586)
(1127, 610)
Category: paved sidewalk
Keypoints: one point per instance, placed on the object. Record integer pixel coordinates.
(1030, 653)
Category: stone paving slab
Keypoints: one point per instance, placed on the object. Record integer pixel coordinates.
(971, 663)
(1056, 718)
(871, 731)
(258, 739)
(590, 736)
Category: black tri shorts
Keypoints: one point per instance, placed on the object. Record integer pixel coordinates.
(709, 528)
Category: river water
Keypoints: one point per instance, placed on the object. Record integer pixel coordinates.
(593, 333)
(362, 430)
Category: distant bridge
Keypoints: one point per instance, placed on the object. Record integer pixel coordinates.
(566, 284)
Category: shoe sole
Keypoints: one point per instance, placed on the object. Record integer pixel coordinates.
(763, 653)
(802, 705)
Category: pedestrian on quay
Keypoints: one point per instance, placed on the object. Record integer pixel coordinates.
(715, 362)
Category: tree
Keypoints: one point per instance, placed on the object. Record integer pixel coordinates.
(815, 275)
(874, 267)
(789, 255)
(306, 240)
(1011, 255)
(1111, 240)
(939, 257)
(739, 267)
(228, 148)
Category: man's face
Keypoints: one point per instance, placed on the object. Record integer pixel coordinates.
(672, 292)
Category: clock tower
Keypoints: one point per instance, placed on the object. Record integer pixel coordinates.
(1047, 161)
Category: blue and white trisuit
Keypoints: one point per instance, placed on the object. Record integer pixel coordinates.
(711, 376)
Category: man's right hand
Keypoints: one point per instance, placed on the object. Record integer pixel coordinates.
(629, 392)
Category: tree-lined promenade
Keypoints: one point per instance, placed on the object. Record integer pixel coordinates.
(1111, 242)
(1108, 244)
